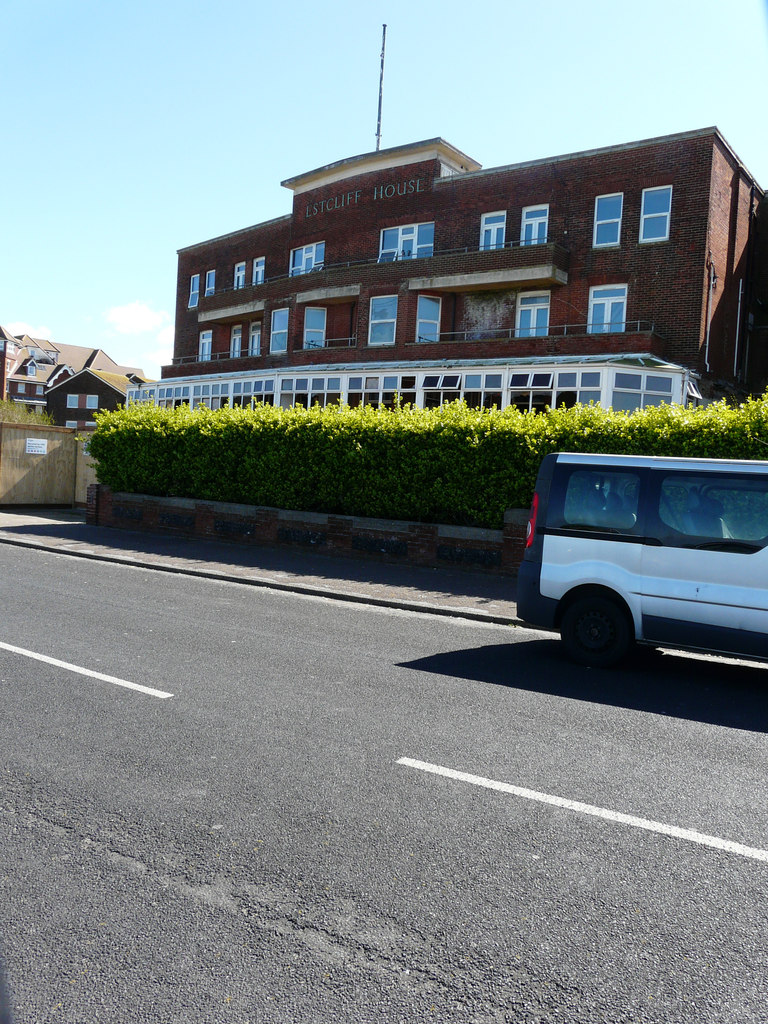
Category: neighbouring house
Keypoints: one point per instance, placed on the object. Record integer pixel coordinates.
(73, 400)
(627, 275)
(31, 367)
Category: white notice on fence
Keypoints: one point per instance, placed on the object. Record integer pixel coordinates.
(37, 446)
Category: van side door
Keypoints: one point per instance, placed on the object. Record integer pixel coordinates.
(705, 561)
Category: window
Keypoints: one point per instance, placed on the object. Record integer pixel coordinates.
(409, 242)
(91, 401)
(638, 390)
(381, 330)
(204, 346)
(308, 257)
(239, 278)
(258, 270)
(72, 401)
(607, 229)
(210, 282)
(534, 225)
(31, 370)
(601, 499)
(714, 507)
(314, 327)
(254, 340)
(492, 229)
(532, 315)
(21, 387)
(40, 389)
(607, 309)
(482, 391)
(70, 423)
(309, 391)
(235, 341)
(655, 214)
(194, 290)
(278, 339)
(428, 319)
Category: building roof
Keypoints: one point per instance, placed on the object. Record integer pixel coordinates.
(451, 158)
(119, 381)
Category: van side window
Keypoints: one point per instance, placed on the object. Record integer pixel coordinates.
(601, 499)
(714, 508)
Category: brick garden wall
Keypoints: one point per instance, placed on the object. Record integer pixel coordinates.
(425, 544)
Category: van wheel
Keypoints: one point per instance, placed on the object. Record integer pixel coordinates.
(596, 631)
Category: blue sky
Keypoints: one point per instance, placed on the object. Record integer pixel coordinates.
(132, 130)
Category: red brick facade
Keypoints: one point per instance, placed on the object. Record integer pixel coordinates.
(688, 296)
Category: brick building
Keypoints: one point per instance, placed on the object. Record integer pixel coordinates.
(624, 275)
(73, 399)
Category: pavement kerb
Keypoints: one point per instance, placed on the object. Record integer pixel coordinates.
(269, 584)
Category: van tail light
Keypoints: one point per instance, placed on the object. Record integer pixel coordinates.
(531, 529)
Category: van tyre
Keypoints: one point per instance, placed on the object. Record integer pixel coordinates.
(596, 631)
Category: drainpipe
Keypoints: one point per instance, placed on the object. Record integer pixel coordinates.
(710, 289)
(738, 331)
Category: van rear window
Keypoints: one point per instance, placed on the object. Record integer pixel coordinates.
(602, 500)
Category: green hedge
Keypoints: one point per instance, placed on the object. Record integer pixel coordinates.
(448, 465)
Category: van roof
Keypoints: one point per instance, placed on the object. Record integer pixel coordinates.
(664, 462)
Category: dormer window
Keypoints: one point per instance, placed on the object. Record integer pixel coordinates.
(31, 369)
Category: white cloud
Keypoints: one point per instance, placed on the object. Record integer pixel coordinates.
(136, 318)
(20, 327)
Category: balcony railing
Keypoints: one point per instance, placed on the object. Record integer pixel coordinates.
(558, 331)
(481, 253)
(332, 343)
(592, 330)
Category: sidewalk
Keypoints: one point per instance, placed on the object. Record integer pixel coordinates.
(443, 591)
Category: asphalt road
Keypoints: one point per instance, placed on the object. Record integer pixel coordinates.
(253, 848)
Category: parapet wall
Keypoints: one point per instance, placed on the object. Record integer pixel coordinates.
(430, 544)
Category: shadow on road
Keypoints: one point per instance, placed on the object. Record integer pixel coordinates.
(674, 684)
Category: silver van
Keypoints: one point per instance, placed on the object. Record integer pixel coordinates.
(663, 551)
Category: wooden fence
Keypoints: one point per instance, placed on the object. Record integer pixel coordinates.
(42, 465)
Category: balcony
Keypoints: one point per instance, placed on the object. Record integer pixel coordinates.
(450, 270)
(561, 339)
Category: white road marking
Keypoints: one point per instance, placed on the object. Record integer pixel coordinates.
(701, 838)
(85, 671)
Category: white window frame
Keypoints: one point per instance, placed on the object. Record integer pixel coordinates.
(194, 291)
(535, 217)
(236, 341)
(31, 370)
(254, 339)
(536, 303)
(72, 401)
(238, 277)
(210, 282)
(604, 222)
(278, 334)
(21, 388)
(204, 346)
(412, 242)
(307, 258)
(422, 335)
(91, 401)
(376, 321)
(314, 336)
(71, 423)
(493, 229)
(601, 295)
(259, 267)
(645, 218)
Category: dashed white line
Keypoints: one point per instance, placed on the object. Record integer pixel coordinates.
(85, 671)
(726, 845)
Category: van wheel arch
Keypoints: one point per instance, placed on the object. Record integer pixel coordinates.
(596, 626)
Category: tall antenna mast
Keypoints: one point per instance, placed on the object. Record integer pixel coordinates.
(381, 85)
